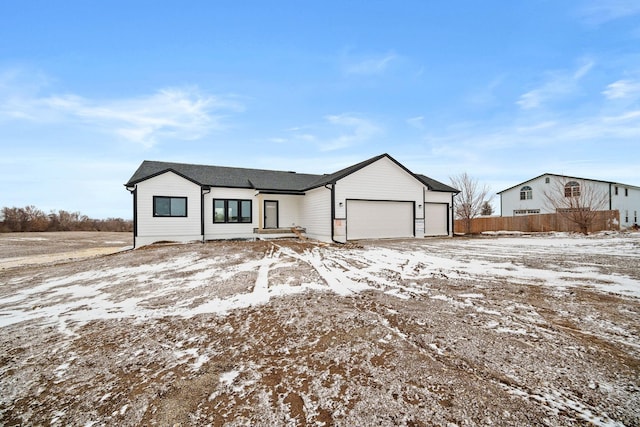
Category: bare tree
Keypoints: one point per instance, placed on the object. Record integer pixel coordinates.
(468, 203)
(31, 218)
(576, 200)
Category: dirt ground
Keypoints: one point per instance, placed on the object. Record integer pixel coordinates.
(20, 249)
(449, 332)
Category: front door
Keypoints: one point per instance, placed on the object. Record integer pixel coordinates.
(270, 214)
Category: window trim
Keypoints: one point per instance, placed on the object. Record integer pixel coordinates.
(186, 207)
(526, 193)
(572, 188)
(241, 214)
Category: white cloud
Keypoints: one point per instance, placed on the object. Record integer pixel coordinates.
(598, 12)
(358, 130)
(583, 70)
(368, 66)
(559, 84)
(622, 89)
(335, 132)
(489, 141)
(629, 115)
(185, 113)
(278, 140)
(416, 122)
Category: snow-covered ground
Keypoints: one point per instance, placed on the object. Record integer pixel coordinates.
(528, 330)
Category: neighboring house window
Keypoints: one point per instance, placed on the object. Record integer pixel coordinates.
(231, 211)
(616, 192)
(526, 211)
(169, 206)
(626, 192)
(547, 180)
(571, 189)
(626, 216)
(526, 193)
(566, 210)
(635, 217)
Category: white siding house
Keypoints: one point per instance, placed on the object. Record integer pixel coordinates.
(377, 198)
(529, 198)
(152, 226)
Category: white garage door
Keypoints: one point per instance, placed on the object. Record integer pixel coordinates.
(436, 216)
(377, 219)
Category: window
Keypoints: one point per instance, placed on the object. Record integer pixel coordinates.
(626, 192)
(635, 217)
(231, 211)
(526, 211)
(547, 180)
(567, 210)
(169, 206)
(571, 189)
(626, 216)
(526, 193)
(616, 192)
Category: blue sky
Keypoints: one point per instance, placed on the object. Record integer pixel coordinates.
(502, 90)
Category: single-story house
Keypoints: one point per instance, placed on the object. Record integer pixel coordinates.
(528, 197)
(377, 198)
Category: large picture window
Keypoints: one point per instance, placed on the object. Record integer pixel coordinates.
(231, 211)
(169, 206)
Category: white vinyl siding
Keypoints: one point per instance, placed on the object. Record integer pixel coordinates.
(152, 229)
(381, 180)
(512, 205)
(628, 199)
(379, 219)
(316, 214)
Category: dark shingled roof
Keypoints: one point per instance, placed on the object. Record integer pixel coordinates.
(221, 176)
(434, 185)
(261, 179)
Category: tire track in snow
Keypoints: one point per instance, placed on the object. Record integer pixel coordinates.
(330, 271)
(261, 286)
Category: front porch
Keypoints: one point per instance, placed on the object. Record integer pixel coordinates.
(274, 233)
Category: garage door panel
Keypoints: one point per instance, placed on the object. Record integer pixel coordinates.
(436, 217)
(379, 219)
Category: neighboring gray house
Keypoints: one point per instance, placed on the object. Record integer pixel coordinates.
(377, 198)
(528, 197)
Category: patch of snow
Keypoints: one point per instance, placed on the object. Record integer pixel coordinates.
(227, 378)
(471, 295)
(561, 402)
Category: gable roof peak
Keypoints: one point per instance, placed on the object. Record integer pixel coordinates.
(265, 179)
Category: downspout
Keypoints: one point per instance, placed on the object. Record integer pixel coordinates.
(333, 211)
(134, 191)
(204, 190)
(610, 204)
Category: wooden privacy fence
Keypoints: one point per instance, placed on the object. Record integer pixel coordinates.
(604, 220)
